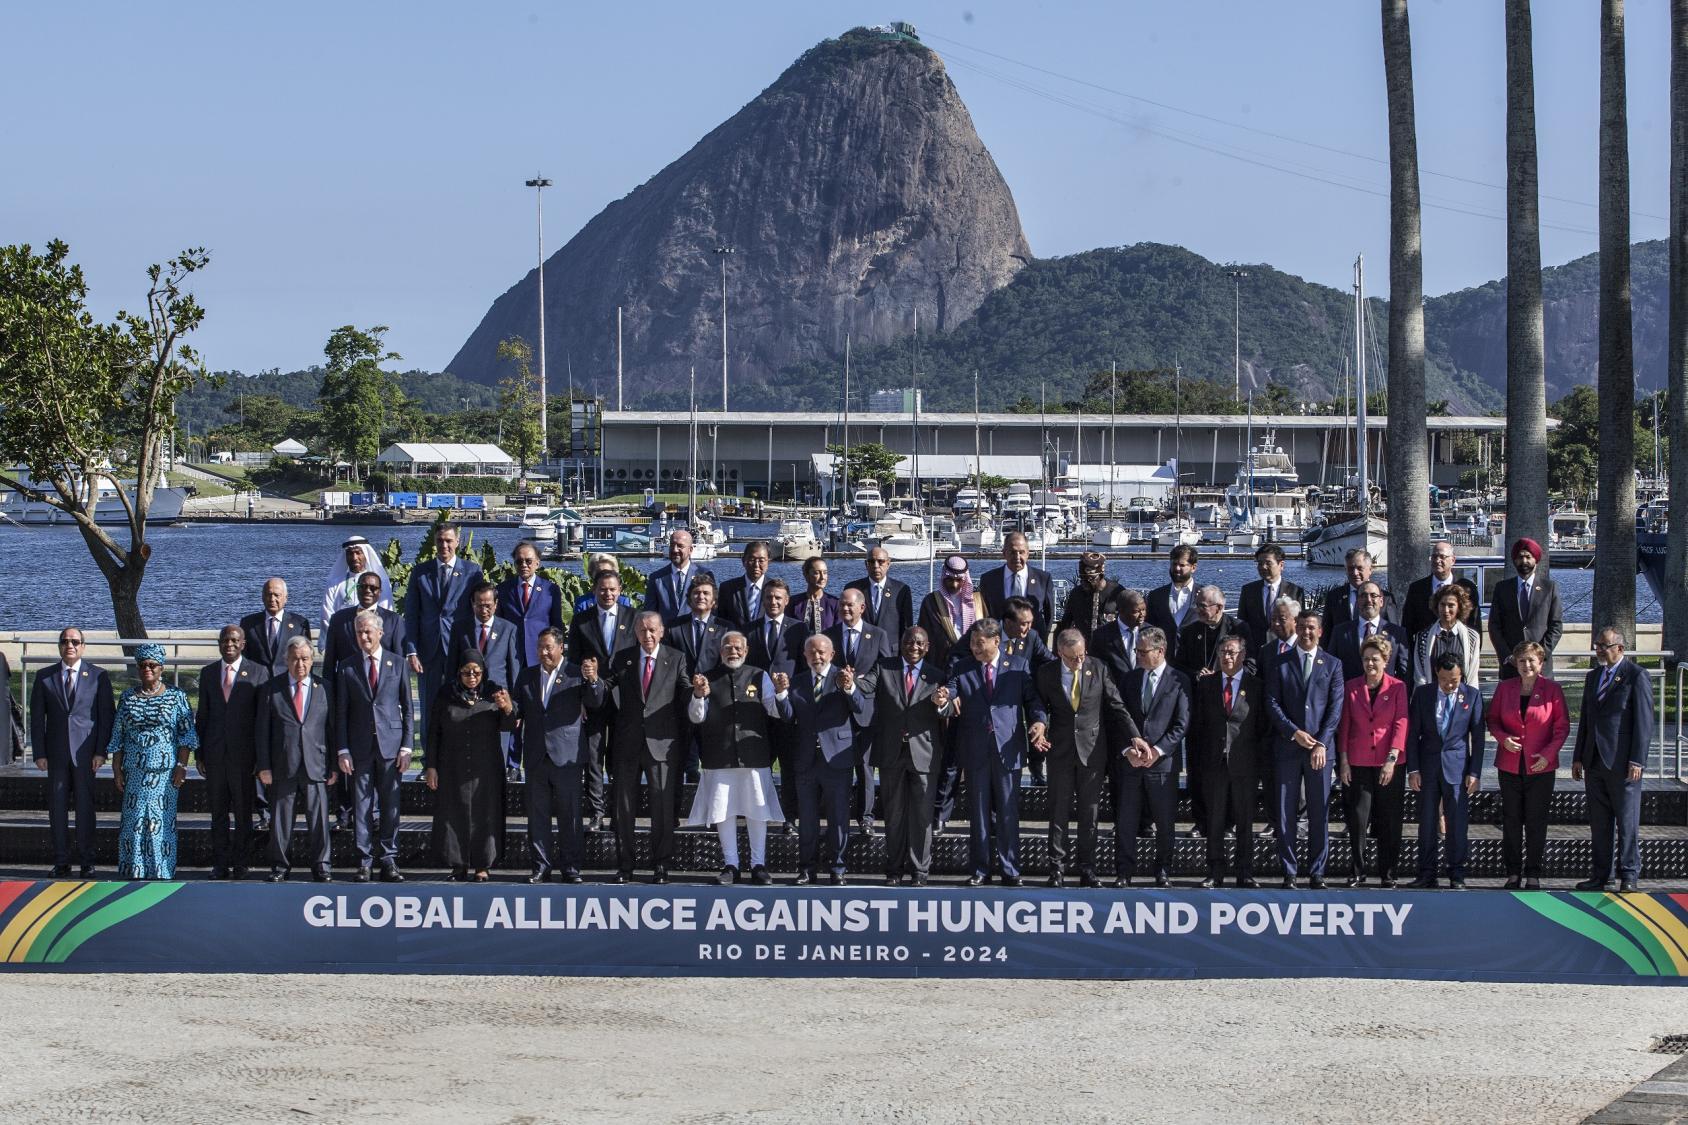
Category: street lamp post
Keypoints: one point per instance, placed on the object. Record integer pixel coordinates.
(1236, 328)
(539, 184)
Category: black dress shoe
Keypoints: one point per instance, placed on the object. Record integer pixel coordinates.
(1056, 879)
(791, 828)
(238, 873)
(1316, 882)
(1289, 882)
(804, 878)
(1423, 882)
(975, 880)
(61, 871)
(760, 876)
(868, 831)
(572, 878)
(659, 874)
(1088, 879)
(458, 875)
(539, 877)
(263, 824)
(1208, 883)
(1457, 884)
(1513, 884)
(1592, 885)
(391, 874)
(218, 873)
(920, 880)
(1629, 886)
(893, 880)
(1122, 882)
(839, 879)
(620, 877)
(322, 876)
(1357, 880)
(87, 871)
(1011, 880)
(1532, 884)
(362, 876)
(276, 877)
(1163, 880)
(1248, 881)
(1387, 882)
(729, 876)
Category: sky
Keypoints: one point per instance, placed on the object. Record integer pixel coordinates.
(364, 163)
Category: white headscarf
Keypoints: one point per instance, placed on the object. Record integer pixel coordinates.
(342, 583)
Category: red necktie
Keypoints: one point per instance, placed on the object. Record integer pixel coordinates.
(373, 679)
(299, 699)
(645, 680)
(527, 595)
(228, 681)
(908, 681)
(1227, 694)
(990, 679)
(483, 638)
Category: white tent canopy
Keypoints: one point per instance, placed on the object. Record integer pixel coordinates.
(289, 448)
(955, 466)
(447, 459)
(1122, 482)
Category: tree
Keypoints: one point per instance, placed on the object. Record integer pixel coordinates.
(82, 397)
(1409, 460)
(356, 394)
(518, 404)
(1676, 402)
(869, 461)
(1614, 528)
(1526, 366)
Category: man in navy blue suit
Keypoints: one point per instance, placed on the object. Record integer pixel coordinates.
(437, 600)
(1017, 578)
(530, 600)
(862, 646)
(70, 718)
(1444, 765)
(665, 589)
(267, 633)
(739, 600)
(1304, 705)
(225, 722)
(552, 702)
(602, 633)
(890, 603)
(827, 703)
(1613, 738)
(1157, 697)
(1350, 635)
(999, 713)
(372, 735)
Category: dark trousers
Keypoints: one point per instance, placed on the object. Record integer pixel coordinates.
(1195, 781)
(1230, 787)
(285, 794)
(1137, 788)
(908, 818)
(1523, 817)
(1037, 768)
(261, 798)
(1296, 780)
(553, 811)
(1072, 782)
(663, 787)
(228, 777)
(1614, 820)
(1373, 806)
(993, 790)
(823, 790)
(1437, 796)
(948, 781)
(866, 787)
(375, 810)
(594, 751)
(68, 783)
(782, 739)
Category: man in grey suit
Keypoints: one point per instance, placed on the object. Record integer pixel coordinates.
(552, 700)
(372, 731)
(70, 718)
(1526, 608)
(294, 761)
(1613, 739)
(907, 747)
(650, 691)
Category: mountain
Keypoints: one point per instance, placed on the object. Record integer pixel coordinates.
(854, 191)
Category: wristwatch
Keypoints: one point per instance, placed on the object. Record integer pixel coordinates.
(1392, 758)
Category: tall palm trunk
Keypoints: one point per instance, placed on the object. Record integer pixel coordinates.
(1676, 572)
(1409, 461)
(1526, 390)
(1614, 545)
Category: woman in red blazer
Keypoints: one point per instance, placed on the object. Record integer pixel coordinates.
(1530, 722)
(1371, 742)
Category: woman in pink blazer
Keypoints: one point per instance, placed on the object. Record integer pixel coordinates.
(1370, 743)
(1530, 722)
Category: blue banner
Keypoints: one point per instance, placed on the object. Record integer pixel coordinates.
(441, 500)
(362, 499)
(874, 932)
(472, 503)
(404, 499)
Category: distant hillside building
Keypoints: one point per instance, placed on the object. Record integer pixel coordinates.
(904, 401)
(428, 459)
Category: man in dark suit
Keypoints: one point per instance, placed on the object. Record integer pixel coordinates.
(70, 719)
(829, 706)
(740, 600)
(268, 633)
(1093, 605)
(1116, 645)
(1086, 718)
(294, 760)
(650, 690)
(1280, 637)
(998, 714)
(1228, 735)
(1157, 696)
(1020, 637)
(1254, 604)
(665, 589)
(552, 703)
(1350, 635)
(861, 646)
(1417, 613)
(776, 640)
(890, 603)
(529, 600)
(697, 634)
(602, 633)
(1173, 606)
(227, 757)
(495, 637)
(1017, 578)
(1444, 765)
(814, 607)
(437, 600)
(1614, 736)
(339, 636)
(1343, 602)
(1526, 608)
(372, 728)
(908, 748)
(1304, 703)
(1198, 656)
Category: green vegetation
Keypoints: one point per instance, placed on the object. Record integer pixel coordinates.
(1574, 445)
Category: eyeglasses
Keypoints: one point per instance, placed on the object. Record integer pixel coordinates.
(1598, 647)
(71, 642)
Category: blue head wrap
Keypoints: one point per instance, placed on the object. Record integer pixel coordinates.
(153, 652)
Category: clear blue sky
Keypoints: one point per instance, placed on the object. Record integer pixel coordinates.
(363, 163)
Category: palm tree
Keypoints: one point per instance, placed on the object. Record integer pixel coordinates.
(1676, 572)
(1526, 390)
(1408, 461)
(1614, 545)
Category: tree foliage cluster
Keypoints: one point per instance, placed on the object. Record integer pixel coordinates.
(1574, 445)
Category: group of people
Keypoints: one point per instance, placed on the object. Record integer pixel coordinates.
(873, 709)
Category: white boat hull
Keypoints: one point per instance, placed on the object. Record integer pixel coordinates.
(907, 548)
(1330, 545)
(1114, 537)
(166, 507)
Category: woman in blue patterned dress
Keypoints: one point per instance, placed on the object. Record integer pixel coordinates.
(149, 750)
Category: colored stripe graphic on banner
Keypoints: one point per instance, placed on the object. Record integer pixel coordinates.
(1650, 948)
(50, 925)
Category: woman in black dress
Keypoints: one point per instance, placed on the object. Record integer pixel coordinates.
(466, 770)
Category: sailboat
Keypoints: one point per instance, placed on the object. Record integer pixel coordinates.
(1352, 523)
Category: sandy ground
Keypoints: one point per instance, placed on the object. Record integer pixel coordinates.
(522, 1049)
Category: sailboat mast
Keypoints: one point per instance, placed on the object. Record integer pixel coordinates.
(914, 415)
(844, 497)
(691, 473)
(1360, 380)
(977, 471)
